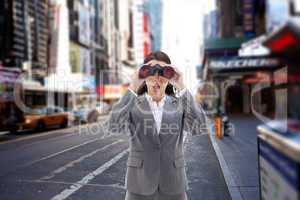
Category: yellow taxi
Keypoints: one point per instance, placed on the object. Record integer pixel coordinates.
(44, 118)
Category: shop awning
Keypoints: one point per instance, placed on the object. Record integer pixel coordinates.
(243, 64)
(216, 44)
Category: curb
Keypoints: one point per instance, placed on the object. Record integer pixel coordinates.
(233, 188)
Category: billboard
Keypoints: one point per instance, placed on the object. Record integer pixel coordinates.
(88, 83)
(75, 57)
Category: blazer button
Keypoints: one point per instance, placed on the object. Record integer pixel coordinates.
(158, 146)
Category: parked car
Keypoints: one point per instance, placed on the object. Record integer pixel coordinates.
(81, 115)
(44, 118)
(90, 115)
(103, 108)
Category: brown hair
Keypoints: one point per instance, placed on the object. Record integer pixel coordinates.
(160, 56)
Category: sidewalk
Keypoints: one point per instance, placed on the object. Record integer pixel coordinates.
(205, 177)
(237, 155)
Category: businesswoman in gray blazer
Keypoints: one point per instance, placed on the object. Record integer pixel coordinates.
(155, 111)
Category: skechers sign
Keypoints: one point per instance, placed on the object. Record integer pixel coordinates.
(244, 63)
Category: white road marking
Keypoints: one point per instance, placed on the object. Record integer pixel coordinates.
(60, 152)
(72, 163)
(50, 132)
(76, 186)
(116, 185)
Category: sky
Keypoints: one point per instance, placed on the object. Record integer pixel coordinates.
(182, 35)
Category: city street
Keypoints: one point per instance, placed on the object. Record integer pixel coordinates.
(73, 164)
(65, 65)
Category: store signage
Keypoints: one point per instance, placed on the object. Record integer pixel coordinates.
(244, 63)
(8, 79)
(114, 91)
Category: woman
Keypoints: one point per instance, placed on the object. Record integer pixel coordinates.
(155, 111)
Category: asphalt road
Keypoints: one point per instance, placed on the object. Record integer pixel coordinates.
(73, 163)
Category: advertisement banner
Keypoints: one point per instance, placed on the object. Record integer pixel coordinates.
(112, 91)
(88, 83)
(75, 57)
(8, 79)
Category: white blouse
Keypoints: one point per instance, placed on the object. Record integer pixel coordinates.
(157, 108)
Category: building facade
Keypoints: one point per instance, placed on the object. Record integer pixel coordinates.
(154, 10)
(233, 77)
(24, 36)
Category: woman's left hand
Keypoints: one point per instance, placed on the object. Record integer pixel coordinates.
(177, 80)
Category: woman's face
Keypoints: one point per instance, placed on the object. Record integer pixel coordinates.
(156, 84)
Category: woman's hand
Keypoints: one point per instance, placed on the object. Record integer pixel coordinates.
(136, 82)
(177, 80)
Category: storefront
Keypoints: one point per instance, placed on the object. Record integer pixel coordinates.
(278, 137)
(285, 43)
(236, 77)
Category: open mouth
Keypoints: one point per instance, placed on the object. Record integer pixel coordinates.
(156, 86)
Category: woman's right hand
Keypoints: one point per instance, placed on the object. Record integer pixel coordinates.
(136, 82)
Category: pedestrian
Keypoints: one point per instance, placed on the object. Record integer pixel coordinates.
(155, 111)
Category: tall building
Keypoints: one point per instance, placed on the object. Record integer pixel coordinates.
(210, 25)
(24, 35)
(112, 34)
(125, 29)
(140, 30)
(147, 34)
(138, 33)
(240, 18)
(13, 38)
(154, 9)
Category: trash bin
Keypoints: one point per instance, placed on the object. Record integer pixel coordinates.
(279, 160)
(218, 127)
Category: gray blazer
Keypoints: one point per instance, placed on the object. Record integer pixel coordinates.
(156, 159)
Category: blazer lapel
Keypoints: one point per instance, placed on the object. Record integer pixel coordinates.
(144, 107)
(169, 106)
